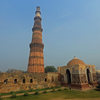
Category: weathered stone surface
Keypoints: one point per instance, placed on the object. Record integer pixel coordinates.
(80, 74)
(25, 81)
(36, 58)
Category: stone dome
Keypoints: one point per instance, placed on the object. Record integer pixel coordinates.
(75, 61)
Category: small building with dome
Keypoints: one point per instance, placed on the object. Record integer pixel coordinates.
(77, 74)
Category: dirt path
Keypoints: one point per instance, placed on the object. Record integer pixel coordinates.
(77, 99)
(19, 94)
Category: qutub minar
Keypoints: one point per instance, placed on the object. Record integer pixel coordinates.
(75, 74)
(36, 59)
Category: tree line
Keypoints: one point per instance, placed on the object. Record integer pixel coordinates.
(50, 69)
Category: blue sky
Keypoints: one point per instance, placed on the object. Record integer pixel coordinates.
(70, 28)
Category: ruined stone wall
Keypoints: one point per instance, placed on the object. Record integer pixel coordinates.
(25, 81)
(53, 79)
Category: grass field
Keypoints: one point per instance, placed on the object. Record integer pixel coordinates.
(61, 95)
(31, 90)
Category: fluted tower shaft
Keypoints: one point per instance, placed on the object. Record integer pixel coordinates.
(36, 59)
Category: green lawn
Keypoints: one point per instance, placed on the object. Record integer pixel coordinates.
(31, 90)
(64, 94)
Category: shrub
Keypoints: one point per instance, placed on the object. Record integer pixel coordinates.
(11, 92)
(44, 91)
(13, 95)
(25, 94)
(37, 92)
(58, 86)
(31, 90)
(0, 97)
(65, 88)
(97, 86)
(53, 89)
(39, 89)
(21, 91)
(59, 89)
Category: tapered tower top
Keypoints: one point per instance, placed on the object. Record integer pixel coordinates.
(38, 13)
(36, 58)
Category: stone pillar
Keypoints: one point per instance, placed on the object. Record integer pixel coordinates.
(36, 59)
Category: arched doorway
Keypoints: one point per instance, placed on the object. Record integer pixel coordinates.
(88, 75)
(68, 76)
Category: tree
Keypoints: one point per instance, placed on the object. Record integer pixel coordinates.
(50, 69)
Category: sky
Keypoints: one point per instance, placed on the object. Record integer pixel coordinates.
(70, 28)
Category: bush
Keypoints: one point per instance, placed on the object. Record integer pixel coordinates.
(13, 95)
(38, 89)
(53, 89)
(25, 94)
(21, 91)
(65, 88)
(31, 90)
(37, 92)
(58, 86)
(44, 91)
(97, 86)
(0, 97)
(59, 89)
(11, 92)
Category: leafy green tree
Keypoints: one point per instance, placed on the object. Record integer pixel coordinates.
(50, 69)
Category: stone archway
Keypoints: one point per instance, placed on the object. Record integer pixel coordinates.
(68, 76)
(88, 76)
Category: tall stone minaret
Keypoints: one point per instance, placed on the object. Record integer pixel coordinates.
(36, 59)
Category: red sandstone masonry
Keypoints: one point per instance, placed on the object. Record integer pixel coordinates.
(36, 59)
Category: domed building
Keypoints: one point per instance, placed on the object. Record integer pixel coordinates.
(77, 74)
